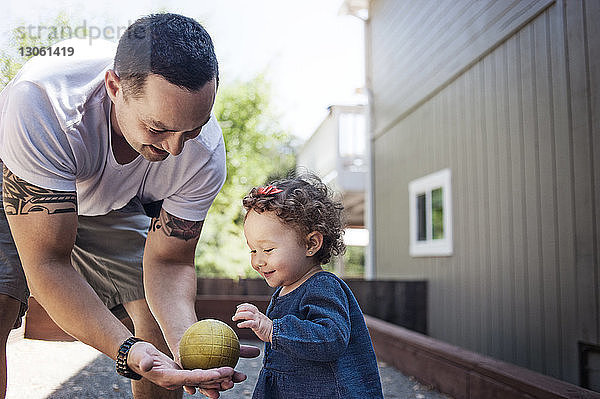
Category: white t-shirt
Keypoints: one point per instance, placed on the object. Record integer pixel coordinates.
(54, 133)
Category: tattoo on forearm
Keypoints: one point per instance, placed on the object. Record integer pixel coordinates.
(22, 198)
(173, 226)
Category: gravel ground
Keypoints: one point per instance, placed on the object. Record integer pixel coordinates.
(61, 370)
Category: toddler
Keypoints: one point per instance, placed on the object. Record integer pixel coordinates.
(317, 342)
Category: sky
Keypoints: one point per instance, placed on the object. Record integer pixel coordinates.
(312, 56)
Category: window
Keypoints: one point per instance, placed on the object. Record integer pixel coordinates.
(431, 215)
(352, 134)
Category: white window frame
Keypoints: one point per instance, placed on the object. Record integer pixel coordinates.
(425, 185)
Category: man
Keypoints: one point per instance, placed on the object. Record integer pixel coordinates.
(87, 152)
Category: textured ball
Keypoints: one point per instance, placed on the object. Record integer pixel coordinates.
(208, 344)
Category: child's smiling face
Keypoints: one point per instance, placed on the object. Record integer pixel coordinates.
(277, 252)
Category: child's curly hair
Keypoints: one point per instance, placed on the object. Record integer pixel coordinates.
(306, 204)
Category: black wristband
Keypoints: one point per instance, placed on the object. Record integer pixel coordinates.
(121, 362)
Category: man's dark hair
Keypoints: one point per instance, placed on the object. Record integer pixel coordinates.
(170, 45)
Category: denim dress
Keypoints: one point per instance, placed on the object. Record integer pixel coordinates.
(321, 347)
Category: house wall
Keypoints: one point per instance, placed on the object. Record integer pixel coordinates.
(319, 153)
(506, 95)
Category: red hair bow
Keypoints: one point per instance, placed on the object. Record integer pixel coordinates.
(269, 190)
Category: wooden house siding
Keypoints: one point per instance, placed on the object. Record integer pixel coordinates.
(425, 44)
(507, 96)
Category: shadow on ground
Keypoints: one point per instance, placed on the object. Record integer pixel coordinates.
(98, 380)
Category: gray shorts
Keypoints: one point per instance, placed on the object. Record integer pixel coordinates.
(108, 254)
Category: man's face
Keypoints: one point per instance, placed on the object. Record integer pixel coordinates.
(165, 116)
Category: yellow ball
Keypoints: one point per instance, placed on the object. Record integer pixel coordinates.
(208, 344)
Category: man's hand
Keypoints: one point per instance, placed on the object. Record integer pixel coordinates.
(150, 363)
(249, 351)
(254, 319)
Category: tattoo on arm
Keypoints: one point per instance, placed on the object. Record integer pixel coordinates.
(173, 226)
(22, 198)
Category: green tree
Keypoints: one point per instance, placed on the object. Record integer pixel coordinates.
(11, 59)
(258, 150)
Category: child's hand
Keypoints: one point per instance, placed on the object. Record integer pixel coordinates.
(254, 319)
